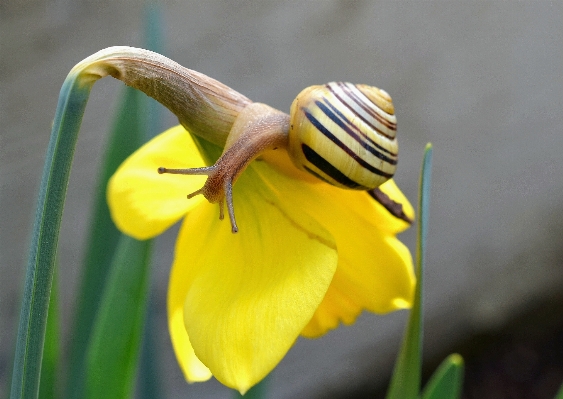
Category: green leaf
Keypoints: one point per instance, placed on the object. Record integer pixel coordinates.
(152, 22)
(405, 382)
(49, 365)
(41, 262)
(113, 352)
(447, 380)
(560, 393)
(148, 382)
(126, 136)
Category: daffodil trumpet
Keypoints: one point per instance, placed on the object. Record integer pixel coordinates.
(312, 256)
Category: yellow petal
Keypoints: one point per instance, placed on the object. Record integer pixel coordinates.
(144, 203)
(359, 205)
(194, 370)
(249, 295)
(392, 224)
(375, 277)
(375, 269)
(363, 203)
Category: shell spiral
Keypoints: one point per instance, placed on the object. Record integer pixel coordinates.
(344, 134)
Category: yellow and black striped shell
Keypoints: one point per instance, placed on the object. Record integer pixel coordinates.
(344, 134)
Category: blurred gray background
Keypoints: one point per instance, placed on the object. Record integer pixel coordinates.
(482, 81)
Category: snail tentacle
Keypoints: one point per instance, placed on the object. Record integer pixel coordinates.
(258, 128)
(230, 206)
(192, 171)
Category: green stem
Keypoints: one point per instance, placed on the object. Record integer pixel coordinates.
(41, 265)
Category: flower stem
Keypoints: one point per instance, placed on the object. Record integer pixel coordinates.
(41, 264)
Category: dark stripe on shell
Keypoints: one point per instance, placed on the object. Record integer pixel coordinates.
(353, 126)
(347, 105)
(321, 128)
(354, 135)
(328, 169)
(368, 107)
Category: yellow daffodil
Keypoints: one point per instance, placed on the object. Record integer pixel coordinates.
(308, 256)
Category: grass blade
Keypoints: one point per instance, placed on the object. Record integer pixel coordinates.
(114, 349)
(405, 382)
(447, 380)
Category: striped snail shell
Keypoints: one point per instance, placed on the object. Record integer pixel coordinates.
(344, 134)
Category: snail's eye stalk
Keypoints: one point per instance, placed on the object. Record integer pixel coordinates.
(258, 128)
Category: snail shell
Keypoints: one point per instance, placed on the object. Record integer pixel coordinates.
(344, 134)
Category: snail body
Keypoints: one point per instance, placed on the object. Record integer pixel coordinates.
(341, 133)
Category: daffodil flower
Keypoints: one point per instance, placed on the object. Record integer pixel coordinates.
(308, 255)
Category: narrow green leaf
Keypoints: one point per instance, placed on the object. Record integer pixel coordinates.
(41, 263)
(127, 134)
(113, 352)
(152, 26)
(447, 380)
(154, 42)
(148, 381)
(560, 393)
(50, 363)
(405, 382)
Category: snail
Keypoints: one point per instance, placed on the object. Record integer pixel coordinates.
(341, 133)
(344, 134)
